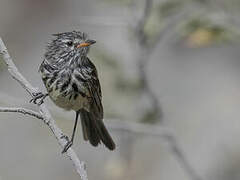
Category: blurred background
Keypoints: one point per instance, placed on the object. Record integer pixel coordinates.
(168, 63)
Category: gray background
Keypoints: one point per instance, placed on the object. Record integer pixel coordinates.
(198, 90)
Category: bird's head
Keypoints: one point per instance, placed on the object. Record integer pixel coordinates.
(68, 45)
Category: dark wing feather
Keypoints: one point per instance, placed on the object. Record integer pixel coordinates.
(92, 83)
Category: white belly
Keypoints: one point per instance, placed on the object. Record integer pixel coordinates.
(69, 102)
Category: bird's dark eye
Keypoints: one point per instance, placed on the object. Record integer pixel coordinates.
(69, 43)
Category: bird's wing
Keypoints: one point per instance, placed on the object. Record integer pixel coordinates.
(45, 65)
(92, 83)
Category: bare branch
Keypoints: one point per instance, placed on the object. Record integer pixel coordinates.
(22, 111)
(47, 118)
(134, 127)
(161, 132)
(142, 57)
(178, 153)
(141, 36)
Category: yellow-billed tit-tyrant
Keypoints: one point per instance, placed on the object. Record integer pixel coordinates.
(72, 83)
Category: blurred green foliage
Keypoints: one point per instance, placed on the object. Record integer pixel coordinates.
(149, 116)
(153, 25)
(209, 23)
(125, 84)
(168, 8)
(201, 31)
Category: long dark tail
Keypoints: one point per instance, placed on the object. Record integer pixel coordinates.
(95, 131)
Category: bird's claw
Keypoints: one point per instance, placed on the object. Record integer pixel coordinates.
(38, 96)
(67, 146)
(65, 137)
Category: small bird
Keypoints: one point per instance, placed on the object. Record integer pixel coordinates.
(72, 83)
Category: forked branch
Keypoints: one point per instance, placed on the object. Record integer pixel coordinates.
(44, 112)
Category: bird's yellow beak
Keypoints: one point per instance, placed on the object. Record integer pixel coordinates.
(86, 43)
(83, 45)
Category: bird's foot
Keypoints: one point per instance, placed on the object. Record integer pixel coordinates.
(65, 137)
(67, 146)
(38, 96)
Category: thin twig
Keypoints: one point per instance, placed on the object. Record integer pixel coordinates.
(178, 153)
(47, 118)
(139, 128)
(141, 36)
(143, 58)
(22, 111)
(160, 132)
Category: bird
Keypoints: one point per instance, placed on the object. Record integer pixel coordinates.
(72, 83)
